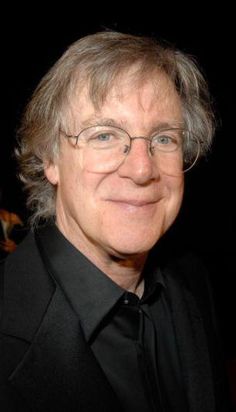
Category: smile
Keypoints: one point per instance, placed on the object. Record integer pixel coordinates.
(135, 206)
(135, 202)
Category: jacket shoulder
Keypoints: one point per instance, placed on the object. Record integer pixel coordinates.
(191, 271)
(191, 274)
(26, 289)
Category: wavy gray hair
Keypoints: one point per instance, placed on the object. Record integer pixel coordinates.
(97, 60)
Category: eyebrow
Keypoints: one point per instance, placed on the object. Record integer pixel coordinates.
(100, 121)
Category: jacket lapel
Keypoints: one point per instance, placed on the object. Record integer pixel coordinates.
(59, 371)
(53, 367)
(192, 345)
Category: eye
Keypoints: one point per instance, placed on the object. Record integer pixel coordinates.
(163, 139)
(100, 138)
(103, 137)
(103, 140)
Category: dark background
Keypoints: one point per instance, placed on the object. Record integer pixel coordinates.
(34, 39)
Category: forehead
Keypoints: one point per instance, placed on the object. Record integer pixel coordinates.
(153, 96)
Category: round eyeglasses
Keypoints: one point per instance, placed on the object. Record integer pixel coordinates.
(105, 148)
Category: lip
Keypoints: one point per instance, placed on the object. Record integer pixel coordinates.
(134, 202)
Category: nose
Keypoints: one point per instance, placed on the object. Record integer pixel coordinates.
(139, 164)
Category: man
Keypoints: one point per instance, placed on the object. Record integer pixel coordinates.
(95, 318)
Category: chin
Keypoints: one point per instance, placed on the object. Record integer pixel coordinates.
(134, 246)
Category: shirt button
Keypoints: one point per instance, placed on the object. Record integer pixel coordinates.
(126, 301)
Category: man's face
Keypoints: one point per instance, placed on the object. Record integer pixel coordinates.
(123, 212)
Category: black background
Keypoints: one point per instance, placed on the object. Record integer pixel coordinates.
(34, 38)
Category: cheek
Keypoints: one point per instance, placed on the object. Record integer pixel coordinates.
(77, 190)
(178, 189)
(69, 171)
(175, 190)
(68, 183)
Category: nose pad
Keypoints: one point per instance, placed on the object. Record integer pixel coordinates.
(138, 164)
(127, 148)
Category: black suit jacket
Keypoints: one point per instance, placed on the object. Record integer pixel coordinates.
(46, 364)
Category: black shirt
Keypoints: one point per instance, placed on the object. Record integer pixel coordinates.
(132, 339)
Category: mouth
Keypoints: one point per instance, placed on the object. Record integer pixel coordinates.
(134, 205)
(134, 202)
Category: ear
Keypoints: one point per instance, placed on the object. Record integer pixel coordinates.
(51, 172)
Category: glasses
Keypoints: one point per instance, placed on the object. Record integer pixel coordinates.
(104, 148)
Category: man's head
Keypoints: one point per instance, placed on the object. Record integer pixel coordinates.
(137, 86)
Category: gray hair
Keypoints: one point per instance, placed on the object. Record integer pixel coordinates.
(97, 60)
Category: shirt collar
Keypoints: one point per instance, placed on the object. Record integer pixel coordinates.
(91, 292)
(153, 277)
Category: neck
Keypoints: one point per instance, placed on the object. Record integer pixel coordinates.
(124, 270)
(127, 272)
